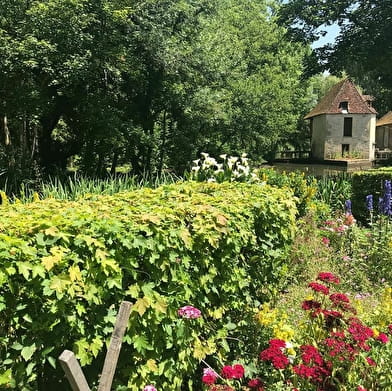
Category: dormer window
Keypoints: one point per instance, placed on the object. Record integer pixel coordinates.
(343, 106)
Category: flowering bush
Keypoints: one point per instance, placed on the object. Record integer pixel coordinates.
(335, 351)
(231, 168)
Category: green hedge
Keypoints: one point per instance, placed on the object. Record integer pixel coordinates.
(304, 188)
(66, 266)
(365, 183)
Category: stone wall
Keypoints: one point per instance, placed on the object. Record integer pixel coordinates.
(328, 139)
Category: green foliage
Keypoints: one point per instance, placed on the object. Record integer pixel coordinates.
(304, 188)
(149, 84)
(359, 48)
(365, 183)
(66, 266)
(334, 191)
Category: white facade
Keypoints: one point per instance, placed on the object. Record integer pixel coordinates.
(330, 142)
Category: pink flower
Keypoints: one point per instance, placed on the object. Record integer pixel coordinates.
(371, 362)
(255, 383)
(325, 241)
(360, 388)
(383, 338)
(238, 371)
(189, 312)
(150, 387)
(209, 376)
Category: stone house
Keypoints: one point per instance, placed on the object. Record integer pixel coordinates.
(343, 124)
(384, 133)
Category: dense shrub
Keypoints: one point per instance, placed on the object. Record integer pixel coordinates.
(304, 188)
(365, 183)
(66, 266)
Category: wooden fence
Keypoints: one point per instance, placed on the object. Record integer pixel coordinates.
(72, 368)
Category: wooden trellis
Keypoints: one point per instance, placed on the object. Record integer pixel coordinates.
(72, 368)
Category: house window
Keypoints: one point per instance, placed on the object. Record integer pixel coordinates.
(343, 106)
(345, 150)
(348, 127)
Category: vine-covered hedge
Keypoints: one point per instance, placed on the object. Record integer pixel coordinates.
(66, 266)
(365, 183)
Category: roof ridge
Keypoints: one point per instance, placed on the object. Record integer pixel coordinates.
(343, 91)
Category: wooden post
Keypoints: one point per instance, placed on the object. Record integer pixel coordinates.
(73, 371)
(109, 367)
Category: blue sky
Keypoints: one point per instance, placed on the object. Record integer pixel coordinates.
(332, 33)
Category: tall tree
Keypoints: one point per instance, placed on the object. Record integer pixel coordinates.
(363, 47)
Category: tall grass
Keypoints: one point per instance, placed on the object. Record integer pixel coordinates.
(334, 190)
(77, 186)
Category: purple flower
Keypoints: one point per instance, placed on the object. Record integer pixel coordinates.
(150, 387)
(381, 205)
(189, 312)
(387, 198)
(369, 202)
(347, 205)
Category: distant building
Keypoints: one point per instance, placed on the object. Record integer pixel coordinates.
(384, 133)
(343, 124)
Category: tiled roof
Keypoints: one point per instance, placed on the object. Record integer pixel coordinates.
(344, 91)
(385, 120)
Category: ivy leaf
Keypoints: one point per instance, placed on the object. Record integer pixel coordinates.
(141, 344)
(5, 378)
(133, 291)
(141, 305)
(186, 238)
(24, 269)
(74, 273)
(28, 351)
(152, 365)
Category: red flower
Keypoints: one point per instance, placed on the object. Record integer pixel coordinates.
(338, 298)
(227, 372)
(255, 383)
(209, 376)
(371, 362)
(390, 329)
(275, 355)
(310, 304)
(310, 354)
(359, 332)
(238, 371)
(328, 277)
(208, 379)
(319, 287)
(277, 343)
(383, 338)
(332, 314)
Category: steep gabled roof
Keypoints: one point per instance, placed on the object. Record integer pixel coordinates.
(385, 120)
(344, 91)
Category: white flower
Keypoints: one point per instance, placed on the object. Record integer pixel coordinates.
(244, 161)
(211, 180)
(210, 161)
(232, 159)
(223, 156)
(196, 168)
(244, 155)
(205, 155)
(216, 172)
(196, 161)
